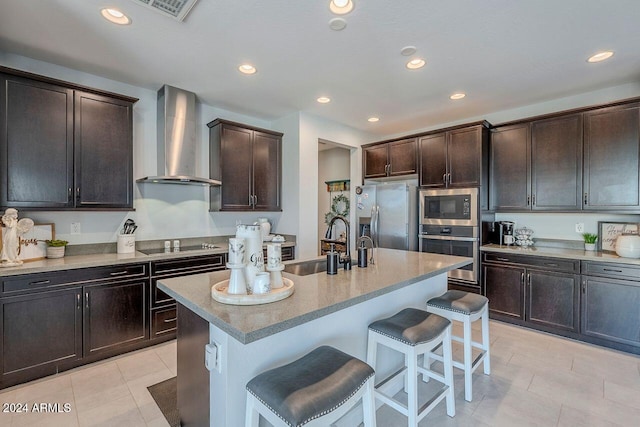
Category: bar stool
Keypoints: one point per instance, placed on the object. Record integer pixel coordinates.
(413, 332)
(315, 390)
(465, 307)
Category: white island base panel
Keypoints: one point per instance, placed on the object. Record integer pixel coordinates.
(345, 330)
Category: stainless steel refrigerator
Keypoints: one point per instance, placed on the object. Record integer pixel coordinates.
(388, 213)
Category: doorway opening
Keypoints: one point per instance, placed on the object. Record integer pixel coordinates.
(334, 173)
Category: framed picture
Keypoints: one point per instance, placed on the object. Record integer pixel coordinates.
(609, 231)
(32, 243)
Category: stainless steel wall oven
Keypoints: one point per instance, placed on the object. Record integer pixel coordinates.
(449, 225)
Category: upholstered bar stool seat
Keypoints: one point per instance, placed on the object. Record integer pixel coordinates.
(315, 390)
(465, 307)
(413, 332)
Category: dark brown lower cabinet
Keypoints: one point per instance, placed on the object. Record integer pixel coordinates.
(600, 306)
(115, 314)
(521, 291)
(39, 332)
(611, 310)
(54, 321)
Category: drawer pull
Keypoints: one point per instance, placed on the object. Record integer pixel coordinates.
(502, 259)
(118, 273)
(170, 320)
(551, 264)
(40, 282)
(612, 270)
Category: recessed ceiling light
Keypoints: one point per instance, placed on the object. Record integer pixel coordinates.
(600, 56)
(247, 69)
(341, 7)
(373, 119)
(115, 16)
(414, 64)
(458, 95)
(324, 100)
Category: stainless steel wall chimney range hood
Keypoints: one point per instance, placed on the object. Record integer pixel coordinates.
(177, 139)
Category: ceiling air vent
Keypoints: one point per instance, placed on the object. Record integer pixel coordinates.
(176, 9)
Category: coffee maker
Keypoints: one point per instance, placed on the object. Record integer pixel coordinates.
(506, 233)
(500, 232)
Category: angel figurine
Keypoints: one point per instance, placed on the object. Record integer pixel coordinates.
(11, 237)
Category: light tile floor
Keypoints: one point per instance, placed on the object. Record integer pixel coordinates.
(536, 380)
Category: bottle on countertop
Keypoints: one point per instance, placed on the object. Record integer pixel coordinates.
(332, 260)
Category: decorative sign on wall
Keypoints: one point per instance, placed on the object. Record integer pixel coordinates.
(608, 232)
(32, 243)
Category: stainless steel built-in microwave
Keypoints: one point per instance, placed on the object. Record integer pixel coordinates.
(449, 207)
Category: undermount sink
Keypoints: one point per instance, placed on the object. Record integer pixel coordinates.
(304, 268)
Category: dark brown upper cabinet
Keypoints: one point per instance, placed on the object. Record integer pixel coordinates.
(387, 159)
(556, 163)
(510, 176)
(454, 158)
(612, 158)
(248, 161)
(537, 165)
(583, 160)
(62, 147)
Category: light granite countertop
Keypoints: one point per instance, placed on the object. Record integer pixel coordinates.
(106, 259)
(575, 254)
(315, 295)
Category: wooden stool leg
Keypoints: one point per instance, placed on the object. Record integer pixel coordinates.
(447, 355)
(468, 359)
(486, 362)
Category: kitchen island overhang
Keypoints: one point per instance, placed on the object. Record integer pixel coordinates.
(324, 309)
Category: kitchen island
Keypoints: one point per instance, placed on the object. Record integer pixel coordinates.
(333, 310)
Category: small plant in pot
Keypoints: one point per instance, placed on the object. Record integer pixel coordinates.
(55, 248)
(590, 240)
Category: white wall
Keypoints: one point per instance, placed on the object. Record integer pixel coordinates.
(168, 211)
(333, 164)
(161, 211)
(602, 96)
(312, 129)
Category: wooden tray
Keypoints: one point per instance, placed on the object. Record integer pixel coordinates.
(219, 293)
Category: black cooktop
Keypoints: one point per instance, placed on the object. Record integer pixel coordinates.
(182, 249)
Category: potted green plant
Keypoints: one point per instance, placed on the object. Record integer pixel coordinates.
(590, 240)
(55, 248)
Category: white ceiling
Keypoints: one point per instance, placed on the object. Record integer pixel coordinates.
(503, 53)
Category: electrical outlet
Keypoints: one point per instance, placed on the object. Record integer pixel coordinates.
(75, 228)
(579, 227)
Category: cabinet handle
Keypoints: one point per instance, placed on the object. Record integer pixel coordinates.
(528, 200)
(585, 199)
(449, 178)
(255, 200)
(533, 200)
(522, 278)
(86, 299)
(551, 264)
(502, 259)
(78, 305)
(444, 178)
(612, 270)
(78, 194)
(70, 194)
(40, 282)
(529, 278)
(170, 320)
(118, 273)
